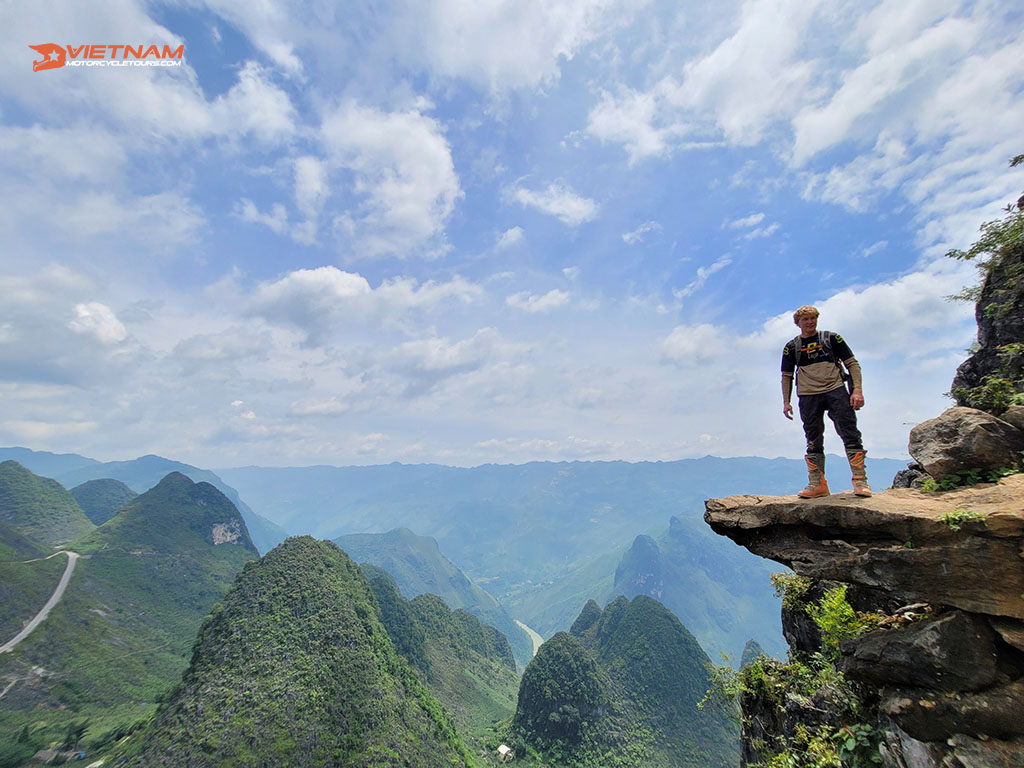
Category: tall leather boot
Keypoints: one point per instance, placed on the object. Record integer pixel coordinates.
(860, 477)
(816, 483)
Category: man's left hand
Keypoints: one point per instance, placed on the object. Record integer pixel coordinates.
(857, 400)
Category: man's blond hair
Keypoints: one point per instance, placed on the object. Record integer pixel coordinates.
(806, 309)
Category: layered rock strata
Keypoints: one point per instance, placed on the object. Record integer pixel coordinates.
(947, 691)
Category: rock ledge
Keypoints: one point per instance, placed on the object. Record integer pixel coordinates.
(949, 688)
(894, 541)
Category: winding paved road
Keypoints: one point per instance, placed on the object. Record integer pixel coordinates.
(58, 593)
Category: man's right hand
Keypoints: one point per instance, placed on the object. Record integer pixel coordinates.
(787, 411)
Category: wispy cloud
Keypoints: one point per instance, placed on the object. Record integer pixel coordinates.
(759, 232)
(871, 250)
(751, 223)
(703, 273)
(528, 302)
(558, 200)
(638, 234)
(747, 221)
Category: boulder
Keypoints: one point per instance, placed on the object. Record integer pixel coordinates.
(931, 716)
(963, 439)
(1010, 630)
(1015, 416)
(987, 753)
(911, 477)
(901, 750)
(953, 652)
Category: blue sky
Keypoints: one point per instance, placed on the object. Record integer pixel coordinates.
(489, 232)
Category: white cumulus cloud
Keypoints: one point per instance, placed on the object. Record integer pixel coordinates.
(500, 44)
(325, 301)
(404, 177)
(98, 320)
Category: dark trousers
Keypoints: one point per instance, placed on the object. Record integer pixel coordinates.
(837, 404)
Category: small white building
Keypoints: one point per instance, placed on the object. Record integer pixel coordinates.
(506, 753)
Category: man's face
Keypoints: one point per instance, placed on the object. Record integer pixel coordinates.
(808, 325)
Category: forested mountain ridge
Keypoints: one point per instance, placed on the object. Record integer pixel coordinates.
(100, 499)
(118, 637)
(45, 463)
(141, 474)
(466, 664)
(38, 507)
(722, 599)
(663, 672)
(15, 546)
(295, 668)
(621, 689)
(419, 567)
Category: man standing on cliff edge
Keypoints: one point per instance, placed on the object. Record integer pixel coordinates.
(821, 388)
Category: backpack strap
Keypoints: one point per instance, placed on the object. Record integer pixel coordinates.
(795, 341)
(825, 339)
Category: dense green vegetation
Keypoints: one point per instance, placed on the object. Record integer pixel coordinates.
(294, 668)
(120, 636)
(995, 380)
(566, 708)
(751, 652)
(663, 673)
(100, 499)
(832, 730)
(466, 664)
(803, 712)
(24, 589)
(38, 507)
(16, 546)
(419, 567)
(622, 690)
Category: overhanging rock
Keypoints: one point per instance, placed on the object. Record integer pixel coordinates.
(896, 541)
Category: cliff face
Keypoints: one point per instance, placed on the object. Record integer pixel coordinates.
(1000, 316)
(992, 378)
(941, 681)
